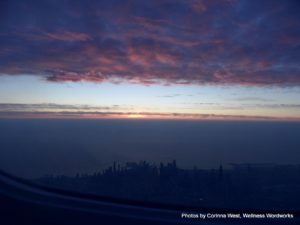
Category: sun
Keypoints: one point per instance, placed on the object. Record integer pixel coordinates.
(135, 116)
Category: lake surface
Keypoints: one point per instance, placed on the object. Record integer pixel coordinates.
(33, 148)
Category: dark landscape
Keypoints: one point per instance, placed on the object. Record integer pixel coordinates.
(243, 186)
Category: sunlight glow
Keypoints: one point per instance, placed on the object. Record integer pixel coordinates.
(135, 116)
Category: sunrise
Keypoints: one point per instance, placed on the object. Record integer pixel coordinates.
(149, 112)
(164, 57)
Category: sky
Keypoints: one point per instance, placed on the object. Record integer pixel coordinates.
(159, 59)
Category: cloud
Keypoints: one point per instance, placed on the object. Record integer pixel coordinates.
(45, 107)
(67, 111)
(66, 36)
(273, 106)
(252, 99)
(169, 96)
(136, 115)
(247, 43)
(198, 6)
